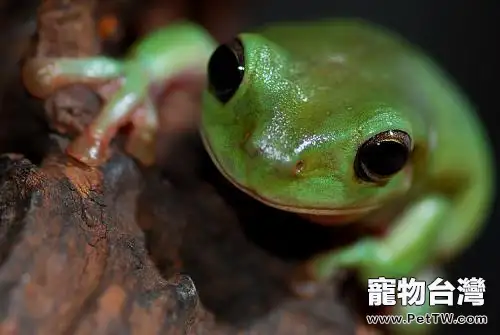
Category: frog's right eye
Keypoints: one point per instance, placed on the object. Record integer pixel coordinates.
(226, 69)
(383, 155)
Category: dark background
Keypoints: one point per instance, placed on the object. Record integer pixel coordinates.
(462, 37)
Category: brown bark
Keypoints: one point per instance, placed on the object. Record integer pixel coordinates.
(72, 262)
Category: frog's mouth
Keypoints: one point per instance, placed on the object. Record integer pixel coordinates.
(343, 213)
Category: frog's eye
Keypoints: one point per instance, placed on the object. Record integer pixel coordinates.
(383, 155)
(226, 69)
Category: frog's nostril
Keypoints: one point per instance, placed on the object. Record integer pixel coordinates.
(299, 167)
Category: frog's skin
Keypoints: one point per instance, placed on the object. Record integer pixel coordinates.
(291, 117)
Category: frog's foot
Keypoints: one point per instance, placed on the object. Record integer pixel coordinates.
(141, 142)
(92, 146)
(312, 274)
(365, 256)
(369, 257)
(325, 266)
(43, 76)
(89, 149)
(405, 249)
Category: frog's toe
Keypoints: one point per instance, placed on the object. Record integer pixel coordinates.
(92, 147)
(89, 150)
(142, 146)
(39, 76)
(359, 256)
(141, 142)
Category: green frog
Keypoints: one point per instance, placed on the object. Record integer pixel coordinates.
(339, 121)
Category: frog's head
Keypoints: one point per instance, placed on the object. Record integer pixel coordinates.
(322, 133)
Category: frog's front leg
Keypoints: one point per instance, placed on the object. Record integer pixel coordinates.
(43, 76)
(92, 146)
(407, 248)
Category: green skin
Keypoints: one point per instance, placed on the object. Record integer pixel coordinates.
(311, 95)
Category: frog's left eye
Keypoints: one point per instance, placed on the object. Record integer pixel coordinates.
(226, 69)
(383, 155)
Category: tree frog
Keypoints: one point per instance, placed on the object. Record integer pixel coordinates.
(339, 121)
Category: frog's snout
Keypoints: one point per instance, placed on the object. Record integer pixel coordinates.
(274, 155)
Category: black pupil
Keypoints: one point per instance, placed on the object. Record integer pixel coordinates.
(384, 158)
(225, 72)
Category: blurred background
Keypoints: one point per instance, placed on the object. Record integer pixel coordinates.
(460, 35)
